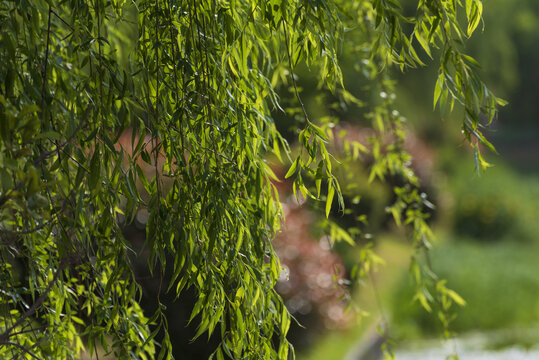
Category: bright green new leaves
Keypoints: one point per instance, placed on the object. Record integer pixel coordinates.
(474, 10)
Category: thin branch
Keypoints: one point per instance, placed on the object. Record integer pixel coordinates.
(174, 44)
(292, 75)
(26, 232)
(27, 331)
(154, 138)
(23, 348)
(209, 86)
(45, 67)
(62, 20)
(100, 72)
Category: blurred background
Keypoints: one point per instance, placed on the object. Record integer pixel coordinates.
(487, 226)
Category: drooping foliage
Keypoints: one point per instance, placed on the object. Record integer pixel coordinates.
(194, 85)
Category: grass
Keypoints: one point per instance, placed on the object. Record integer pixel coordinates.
(499, 282)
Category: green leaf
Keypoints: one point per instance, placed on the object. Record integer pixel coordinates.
(293, 168)
(95, 169)
(438, 89)
(423, 43)
(420, 296)
(475, 16)
(456, 297)
(329, 199)
(28, 109)
(51, 135)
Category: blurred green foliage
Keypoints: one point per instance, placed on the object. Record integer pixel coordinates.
(489, 223)
(490, 232)
(491, 263)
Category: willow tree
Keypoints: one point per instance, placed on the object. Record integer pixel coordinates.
(194, 83)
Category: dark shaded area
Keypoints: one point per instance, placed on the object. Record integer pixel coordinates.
(177, 310)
